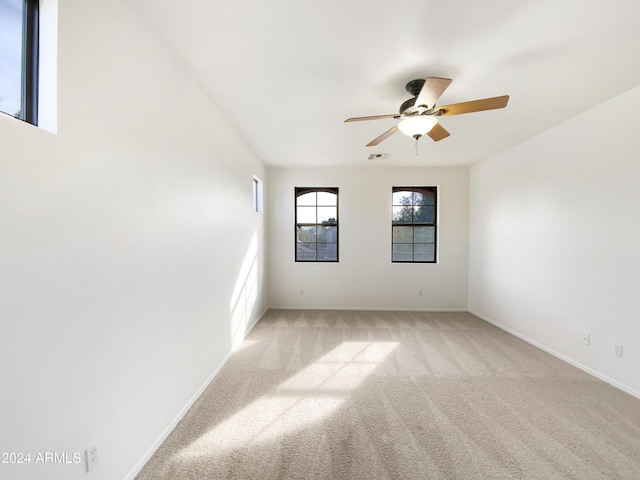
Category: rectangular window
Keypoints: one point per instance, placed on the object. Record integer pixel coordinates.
(19, 40)
(414, 224)
(316, 224)
(258, 195)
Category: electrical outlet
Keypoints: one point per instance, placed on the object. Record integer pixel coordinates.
(91, 457)
(419, 293)
(618, 350)
(302, 291)
(585, 338)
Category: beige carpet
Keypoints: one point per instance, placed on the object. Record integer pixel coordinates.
(399, 395)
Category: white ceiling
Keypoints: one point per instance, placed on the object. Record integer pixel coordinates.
(287, 73)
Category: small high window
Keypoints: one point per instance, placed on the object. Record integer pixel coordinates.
(258, 195)
(414, 224)
(19, 41)
(316, 224)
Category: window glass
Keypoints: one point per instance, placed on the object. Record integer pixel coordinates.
(327, 215)
(402, 253)
(305, 251)
(423, 252)
(327, 198)
(424, 196)
(306, 215)
(327, 252)
(424, 234)
(424, 214)
(402, 234)
(327, 234)
(11, 15)
(403, 214)
(402, 197)
(307, 199)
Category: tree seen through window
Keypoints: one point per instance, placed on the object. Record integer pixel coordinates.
(414, 211)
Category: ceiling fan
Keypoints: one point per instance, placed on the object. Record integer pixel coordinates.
(419, 114)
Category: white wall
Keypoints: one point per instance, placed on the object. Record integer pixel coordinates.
(365, 277)
(129, 252)
(555, 240)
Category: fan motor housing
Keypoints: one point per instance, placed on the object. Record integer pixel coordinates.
(415, 86)
(408, 106)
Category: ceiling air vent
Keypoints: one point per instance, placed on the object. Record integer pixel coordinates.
(378, 156)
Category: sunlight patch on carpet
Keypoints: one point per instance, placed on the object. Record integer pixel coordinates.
(307, 398)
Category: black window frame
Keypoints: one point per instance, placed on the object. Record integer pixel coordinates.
(433, 223)
(298, 191)
(30, 61)
(29, 67)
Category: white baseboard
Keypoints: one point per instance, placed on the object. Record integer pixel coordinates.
(167, 431)
(369, 309)
(255, 322)
(570, 361)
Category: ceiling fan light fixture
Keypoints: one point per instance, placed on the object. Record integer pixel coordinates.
(417, 126)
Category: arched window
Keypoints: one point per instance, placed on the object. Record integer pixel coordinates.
(414, 224)
(316, 224)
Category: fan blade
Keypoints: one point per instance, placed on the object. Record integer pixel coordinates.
(385, 135)
(374, 117)
(431, 90)
(438, 132)
(475, 106)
